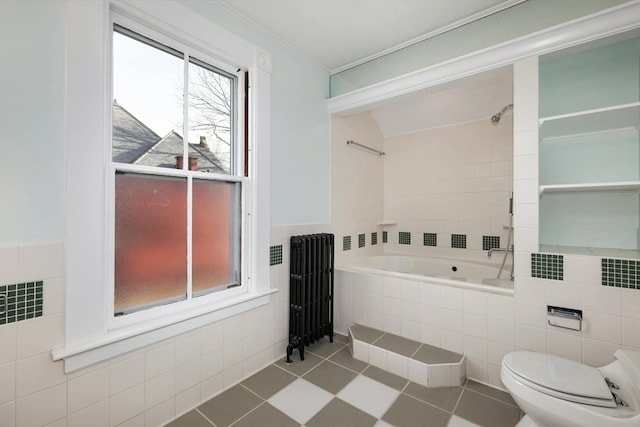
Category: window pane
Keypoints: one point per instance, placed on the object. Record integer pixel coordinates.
(150, 241)
(211, 99)
(147, 107)
(215, 234)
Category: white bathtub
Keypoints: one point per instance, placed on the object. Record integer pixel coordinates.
(466, 274)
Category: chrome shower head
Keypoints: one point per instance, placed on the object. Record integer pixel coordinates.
(495, 119)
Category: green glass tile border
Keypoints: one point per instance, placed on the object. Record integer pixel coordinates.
(621, 273)
(459, 241)
(361, 240)
(275, 255)
(374, 238)
(404, 237)
(430, 239)
(547, 266)
(490, 242)
(23, 301)
(346, 243)
(385, 237)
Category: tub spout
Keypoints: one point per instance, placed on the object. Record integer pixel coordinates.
(492, 250)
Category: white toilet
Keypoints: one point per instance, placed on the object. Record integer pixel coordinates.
(557, 392)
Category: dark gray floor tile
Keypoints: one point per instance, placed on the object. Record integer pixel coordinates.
(192, 418)
(486, 411)
(365, 333)
(435, 355)
(230, 405)
(268, 381)
(344, 358)
(409, 412)
(399, 345)
(491, 392)
(330, 376)
(324, 347)
(387, 378)
(339, 413)
(266, 416)
(340, 338)
(442, 397)
(300, 367)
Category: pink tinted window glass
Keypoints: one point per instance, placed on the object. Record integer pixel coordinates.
(214, 207)
(150, 241)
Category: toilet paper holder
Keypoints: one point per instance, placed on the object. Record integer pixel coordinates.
(566, 318)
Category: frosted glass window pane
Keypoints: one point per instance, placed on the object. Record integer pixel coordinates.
(148, 81)
(150, 241)
(210, 117)
(215, 235)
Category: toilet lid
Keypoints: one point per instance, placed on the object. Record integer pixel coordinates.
(560, 377)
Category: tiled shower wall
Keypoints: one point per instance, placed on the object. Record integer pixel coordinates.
(449, 181)
(148, 387)
(356, 185)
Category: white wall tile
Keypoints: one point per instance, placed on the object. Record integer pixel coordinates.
(631, 332)
(160, 358)
(531, 338)
(127, 372)
(187, 400)
(603, 299)
(630, 303)
(187, 375)
(496, 351)
(582, 269)
(378, 357)
(602, 327)
(159, 388)
(501, 331)
(39, 262)
(160, 414)
(9, 265)
(477, 369)
(43, 407)
(475, 302)
(8, 415)
(451, 298)
(53, 294)
(88, 389)
(475, 325)
(597, 353)
(95, 415)
(8, 381)
(565, 345)
(452, 341)
(8, 343)
(417, 372)
(37, 373)
(531, 314)
(451, 320)
(564, 294)
(529, 289)
(439, 376)
(39, 335)
(501, 307)
(187, 347)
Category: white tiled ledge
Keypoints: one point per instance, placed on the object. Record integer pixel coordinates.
(426, 374)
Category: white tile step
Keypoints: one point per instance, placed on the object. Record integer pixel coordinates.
(418, 362)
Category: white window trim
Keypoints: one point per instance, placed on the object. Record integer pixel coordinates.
(88, 337)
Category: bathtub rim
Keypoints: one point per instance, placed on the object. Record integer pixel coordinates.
(351, 266)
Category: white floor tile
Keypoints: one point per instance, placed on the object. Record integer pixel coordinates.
(369, 395)
(381, 423)
(456, 421)
(300, 400)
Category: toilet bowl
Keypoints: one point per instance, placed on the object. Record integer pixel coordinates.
(557, 392)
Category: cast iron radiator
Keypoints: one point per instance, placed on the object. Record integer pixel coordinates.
(310, 291)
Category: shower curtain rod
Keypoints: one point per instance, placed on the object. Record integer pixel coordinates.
(378, 152)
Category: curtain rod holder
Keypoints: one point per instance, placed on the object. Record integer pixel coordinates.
(373, 150)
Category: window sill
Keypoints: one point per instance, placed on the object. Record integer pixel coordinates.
(121, 341)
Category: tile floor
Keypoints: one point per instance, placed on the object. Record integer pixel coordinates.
(330, 388)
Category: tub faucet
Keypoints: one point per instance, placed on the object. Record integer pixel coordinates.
(492, 250)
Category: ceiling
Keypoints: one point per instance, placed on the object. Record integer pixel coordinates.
(337, 34)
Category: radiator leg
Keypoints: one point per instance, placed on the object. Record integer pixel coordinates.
(289, 353)
(301, 350)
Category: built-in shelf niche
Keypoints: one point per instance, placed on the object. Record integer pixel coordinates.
(590, 149)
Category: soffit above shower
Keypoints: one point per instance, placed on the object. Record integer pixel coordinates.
(477, 97)
(337, 34)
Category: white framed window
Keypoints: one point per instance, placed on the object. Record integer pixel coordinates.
(157, 245)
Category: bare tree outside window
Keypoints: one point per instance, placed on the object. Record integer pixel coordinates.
(210, 110)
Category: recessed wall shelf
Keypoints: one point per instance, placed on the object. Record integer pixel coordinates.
(633, 186)
(625, 117)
